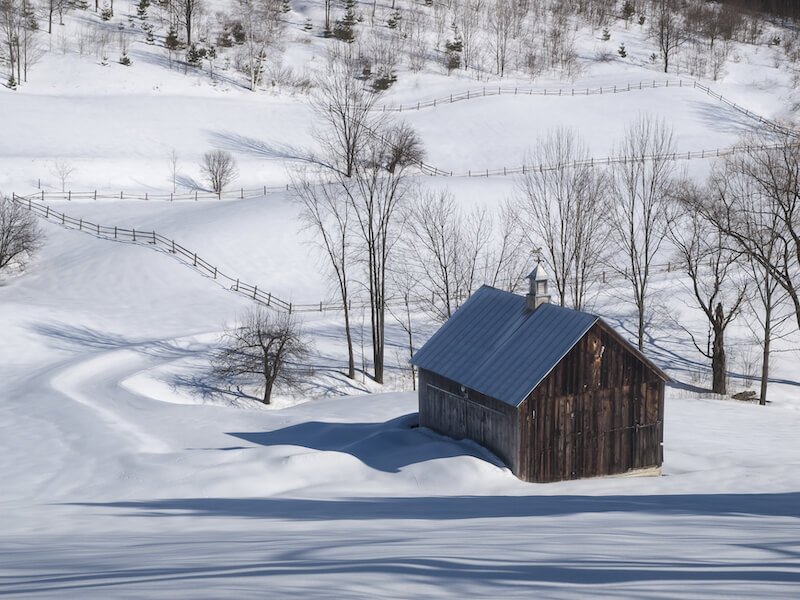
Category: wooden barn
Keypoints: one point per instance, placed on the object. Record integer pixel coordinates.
(555, 393)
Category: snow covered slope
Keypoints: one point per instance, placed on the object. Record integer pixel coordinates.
(124, 474)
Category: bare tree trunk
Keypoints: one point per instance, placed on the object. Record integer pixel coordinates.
(719, 370)
(351, 360)
(762, 399)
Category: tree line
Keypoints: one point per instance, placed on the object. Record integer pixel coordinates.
(482, 37)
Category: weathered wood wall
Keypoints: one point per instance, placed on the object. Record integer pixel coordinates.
(444, 408)
(599, 412)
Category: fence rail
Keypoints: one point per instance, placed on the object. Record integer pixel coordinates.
(234, 194)
(488, 91)
(190, 258)
(571, 92)
(428, 169)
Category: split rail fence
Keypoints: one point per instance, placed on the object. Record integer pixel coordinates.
(190, 258)
(427, 169)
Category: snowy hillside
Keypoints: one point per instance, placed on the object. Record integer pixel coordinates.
(127, 471)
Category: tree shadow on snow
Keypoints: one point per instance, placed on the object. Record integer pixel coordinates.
(190, 183)
(70, 337)
(465, 507)
(235, 142)
(241, 563)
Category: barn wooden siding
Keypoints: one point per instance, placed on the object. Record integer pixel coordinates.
(444, 408)
(599, 412)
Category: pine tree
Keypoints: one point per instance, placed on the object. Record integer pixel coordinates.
(172, 42)
(141, 9)
(621, 51)
(343, 28)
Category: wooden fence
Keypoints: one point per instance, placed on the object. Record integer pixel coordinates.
(572, 92)
(154, 240)
(232, 194)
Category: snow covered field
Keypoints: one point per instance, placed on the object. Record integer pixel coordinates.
(123, 475)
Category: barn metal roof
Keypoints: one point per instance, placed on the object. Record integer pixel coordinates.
(495, 345)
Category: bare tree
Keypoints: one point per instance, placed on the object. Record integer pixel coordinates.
(266, 346)
(262, 27)
(63, 169)
(562, 206)
(219, 169)
(188, 11)
(376, 192)
(711, 265)
(18, 34)
(641, 183)
(326, 212)
(468, 18)
(173, 169)
(404, 282)
(505, 265)
(500, 18)
(755, 204)
(443, 246)
(344, 107)
(20, 235)
(766, 319)
(667, 29)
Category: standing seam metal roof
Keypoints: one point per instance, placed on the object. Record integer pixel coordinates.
(495, 345)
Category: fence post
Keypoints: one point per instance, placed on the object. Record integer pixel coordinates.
(98, 229)
(145, 196)
(320, 306)
(69, 195)
(194, 260)
(95, 195)
(134, 234)
(173, 246)
(215, 272)
(80, 225)
(170, 196)
(42, 195)
(604, 276)
(290, 308)
(269, 299)
(236, 289)
(241, 193)
(195, 195)
(255, 292)
(47, 213)
(120, 195)
(265, 190)
(115, 232)
(154, 236)
(62, 219)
